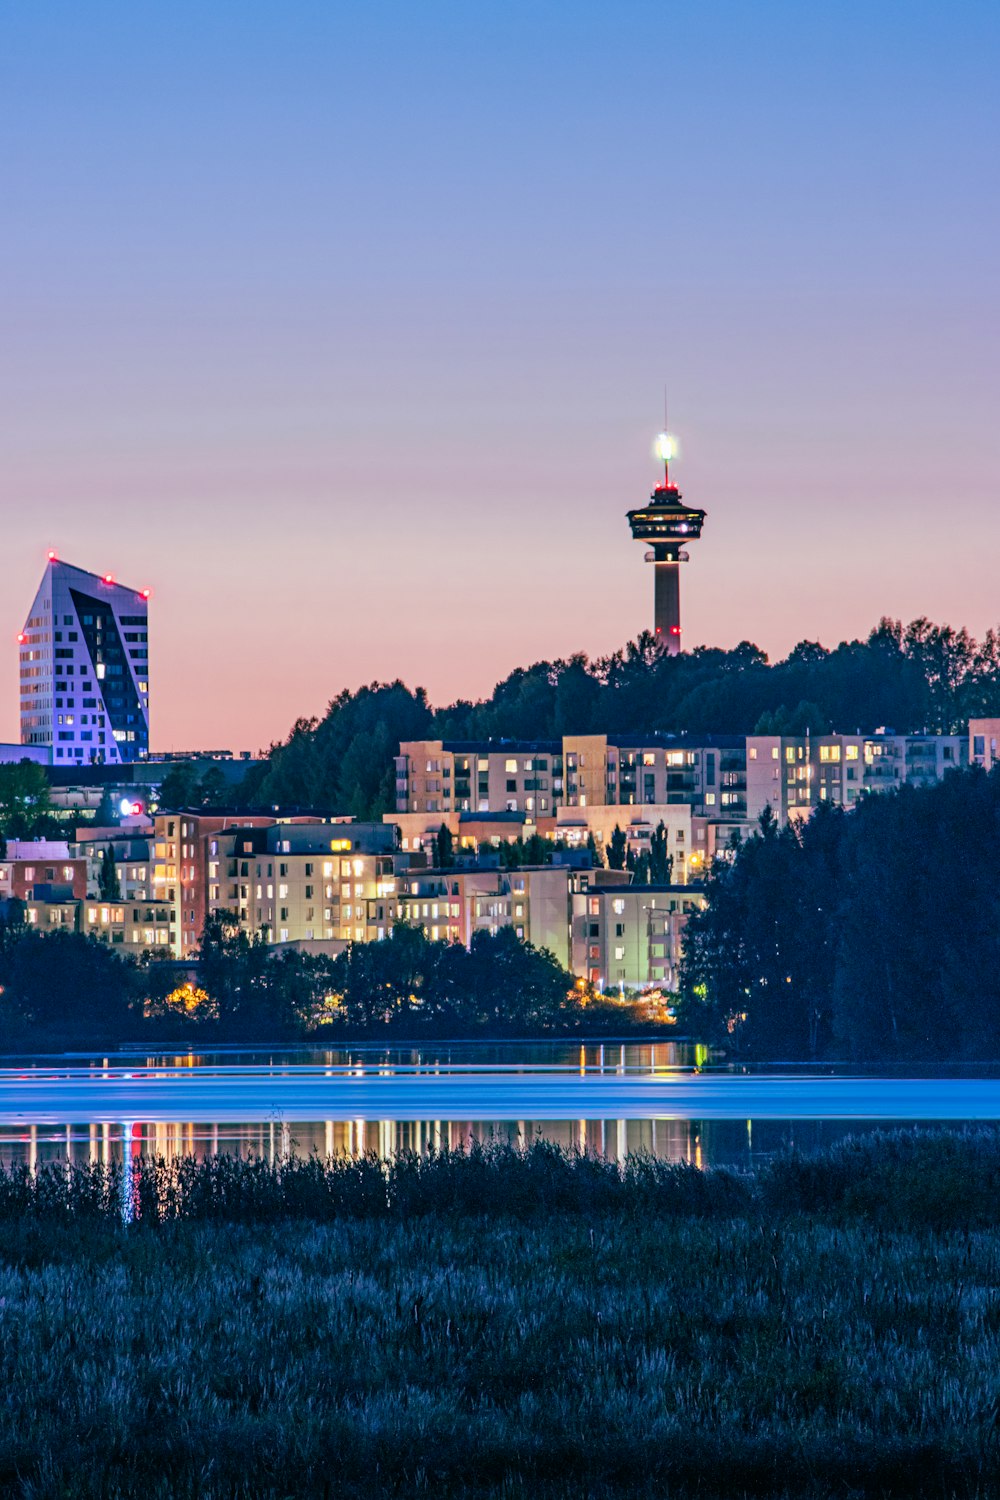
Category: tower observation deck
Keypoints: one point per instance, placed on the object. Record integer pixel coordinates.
(667, 526)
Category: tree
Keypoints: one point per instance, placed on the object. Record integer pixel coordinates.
(836, 932)
(179, 787)
(65, 986)
(213, 788)
(108, 885)
(24, 800)
(617, 849)
(444, 848)
(661, 861)
(593, 849)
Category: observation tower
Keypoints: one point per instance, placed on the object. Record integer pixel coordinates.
(666, 525)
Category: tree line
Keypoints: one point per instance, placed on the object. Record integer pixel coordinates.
(63, 989)
(872, 933)
(914, 677)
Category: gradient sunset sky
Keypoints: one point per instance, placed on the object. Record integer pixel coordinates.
(345, 328)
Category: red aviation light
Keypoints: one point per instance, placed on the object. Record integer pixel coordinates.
(21, 638)
(145, 593)
(52, 556)
(109, 578)
(675, 630)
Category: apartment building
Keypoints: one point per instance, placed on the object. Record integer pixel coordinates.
(46, 913)
(575, 825)
(452, 905)
(132, 925)
(706, 773)
(41, 869)
(470, 831)
(306, 881)
(442, 902)
(435, 776)
(984, 736)
(792, 774)
(84, 668)
(180, 864)
(538, 903)
(630, 936)
(132, 855)
(536, 778)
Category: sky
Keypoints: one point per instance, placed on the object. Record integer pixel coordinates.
(345, 328)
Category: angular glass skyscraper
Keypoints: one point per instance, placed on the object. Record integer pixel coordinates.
(85, 669)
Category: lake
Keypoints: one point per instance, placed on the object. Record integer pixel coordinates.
(666, 1098)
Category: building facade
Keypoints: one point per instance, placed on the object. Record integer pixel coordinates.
(537, 777)
(630, 937)
(437, 776)
(792, 774)
(984, 737)
(84, 669)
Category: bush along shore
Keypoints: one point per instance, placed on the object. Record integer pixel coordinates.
(506, 1323)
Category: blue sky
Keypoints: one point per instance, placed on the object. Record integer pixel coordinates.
(346, 328)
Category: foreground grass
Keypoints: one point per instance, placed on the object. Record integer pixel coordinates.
(508, 1324)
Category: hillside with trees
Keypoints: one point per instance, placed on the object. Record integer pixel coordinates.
(916, 677)
(872, 934)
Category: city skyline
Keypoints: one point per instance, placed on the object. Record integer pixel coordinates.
(352, 344)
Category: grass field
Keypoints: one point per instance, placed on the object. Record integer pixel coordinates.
(509, 1325)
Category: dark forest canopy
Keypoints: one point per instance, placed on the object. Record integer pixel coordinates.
(872, 934)
(916, 677)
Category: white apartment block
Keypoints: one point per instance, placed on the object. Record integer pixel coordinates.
(84, 669)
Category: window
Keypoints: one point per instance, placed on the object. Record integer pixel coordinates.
(753, 752)
(851, 752)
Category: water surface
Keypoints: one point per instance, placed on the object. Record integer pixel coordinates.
(667, 1098)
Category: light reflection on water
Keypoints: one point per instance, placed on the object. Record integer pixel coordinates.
(740, 1143)
(699, 1143)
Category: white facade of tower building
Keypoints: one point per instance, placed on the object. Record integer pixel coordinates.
(84, 657)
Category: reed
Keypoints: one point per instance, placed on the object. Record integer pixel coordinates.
(506, 1324)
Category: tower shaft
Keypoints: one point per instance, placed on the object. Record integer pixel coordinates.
(667, 603)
